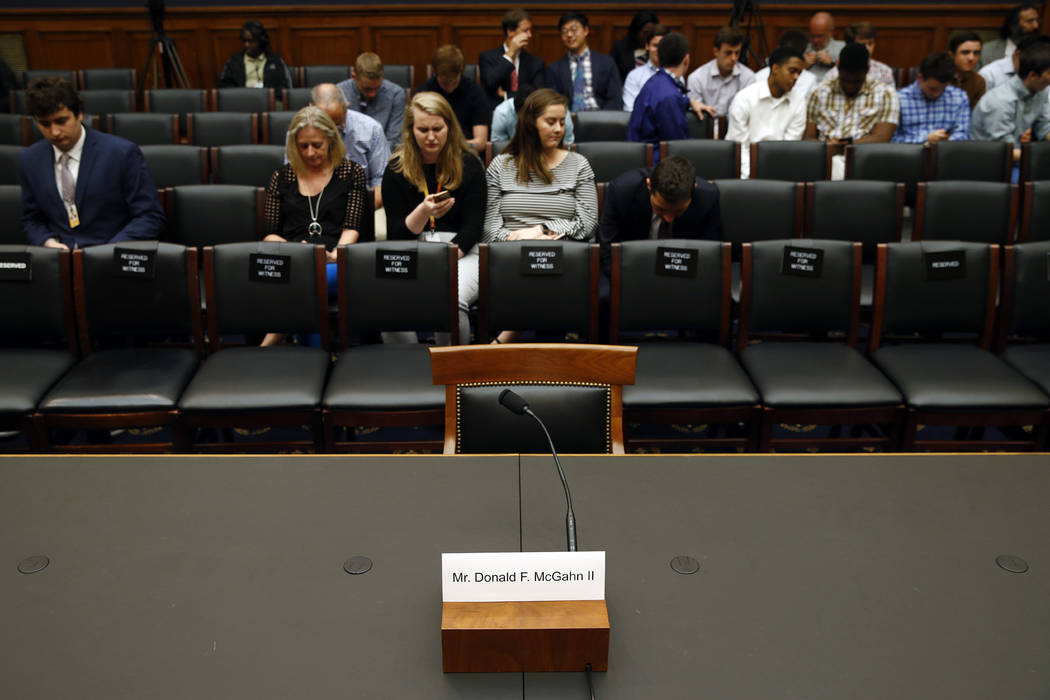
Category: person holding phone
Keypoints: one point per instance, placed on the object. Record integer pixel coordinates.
(434, 190)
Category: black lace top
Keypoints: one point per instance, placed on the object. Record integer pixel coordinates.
(342, 202)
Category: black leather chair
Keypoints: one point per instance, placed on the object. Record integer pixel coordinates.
(242, 99)
(794, 161)
(601, 125)
(145, 128)
(389, 384)
(401, 74)
(713, 160)
(251, 386)
(17, 102)
(990, 161)
(700, 128)
(171, 166)
(810, 372)
(949, 382)
(895, 162)
(756, 210)
(14, 130)
(959, 210)
(245, 165)
(180, 101)
(1035, 161)
(610, 158)
(39, 337)
(134, 289)
(9, 165)
(29, 76)
(493, 149)
(315, 75)
(205, 215)
(275, 127)
(576, 389)
(222, 128)
(680, 381)
(103, 102)
(1035, 220)
(108, 79)
(11, 232)
(295, 99)
(514, 296)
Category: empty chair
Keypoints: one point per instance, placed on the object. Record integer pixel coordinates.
(14, 130)
(29, 76)
(700, 128)
(315, 75)
(403, 75)
(223, 128)
(171, 166)
(18, 102)
(610, 158)
(107, 101)
(895, 162)
(990, 161)
(795, 161)
(713, 160)
(1035, 161)
(756, 210)
(108, 79)
(576, 388)
(245, 165)
(275, 126)
(295, 99)
(9, 165)
(144, 128)
(11, 232)
(181, 101)
(931, 334)
(201, 215)
(1035, 221)
(242, 99)
(601, 125)
(961, 210)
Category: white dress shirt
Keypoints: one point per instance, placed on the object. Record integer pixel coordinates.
(756, 115)
(807, 82)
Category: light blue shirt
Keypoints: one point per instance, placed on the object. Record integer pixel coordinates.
(365, 145)
(388, 107)
(997, 72)
(1006, 112)
(920, 116)
(635, 80)
(505, 121)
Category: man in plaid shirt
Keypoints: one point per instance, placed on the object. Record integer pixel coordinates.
(932, 109)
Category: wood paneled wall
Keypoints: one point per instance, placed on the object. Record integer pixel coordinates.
(304, 34)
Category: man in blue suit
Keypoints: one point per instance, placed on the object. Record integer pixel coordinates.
(590, 80)
(81, 187)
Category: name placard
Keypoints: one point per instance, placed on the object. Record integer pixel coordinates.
(948, 265)
(802, 262)
(134, 263)
(522, 576)
(16, 267)
(263, 267)
(397, 264)
(540, 261)
(676, 262)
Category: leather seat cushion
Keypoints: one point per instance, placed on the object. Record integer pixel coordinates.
(818, 375)
(127, 379)
(1033, 361)
(385, 377)
(27, 374)
(687, 375)
(950, 376)
(285, 377)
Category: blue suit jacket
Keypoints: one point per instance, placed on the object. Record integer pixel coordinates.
(608, 88)
(115, 196)
(659, 112)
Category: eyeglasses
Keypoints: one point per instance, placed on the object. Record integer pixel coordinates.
(569, 30)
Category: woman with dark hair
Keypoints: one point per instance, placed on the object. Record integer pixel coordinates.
(255, 66)
(628, 52)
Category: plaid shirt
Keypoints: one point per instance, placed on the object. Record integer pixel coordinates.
(588, 80)
(920, 116)
(841, 117)
(876, 69)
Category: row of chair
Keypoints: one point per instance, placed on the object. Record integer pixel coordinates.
(929, 357)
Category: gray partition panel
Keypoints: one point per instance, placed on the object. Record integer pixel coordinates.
(205, 577)
(820, 576)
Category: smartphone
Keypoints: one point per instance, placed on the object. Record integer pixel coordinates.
(441, 196)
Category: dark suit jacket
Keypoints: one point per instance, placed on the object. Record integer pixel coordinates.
(627, 213)
(275, 73)
(495, 73)
(608, 88)
(115, 196)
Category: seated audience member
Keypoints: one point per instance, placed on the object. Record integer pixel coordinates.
(433, 158)
(932, 109)
(823, 49)
(965, 48)
(1018, 110)
(369, 93)
(255, 66)
(716, 82)
(638, 77)
(505, 118)
(1020, 22)
(998, 72)
(504, 69)
(466, 96)
(793, 39)
(659, 112)
(587, 78)
(864, 33)
(81, 187)
(630, 51)
(770, 110)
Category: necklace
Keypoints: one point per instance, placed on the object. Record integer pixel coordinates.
(314, 229)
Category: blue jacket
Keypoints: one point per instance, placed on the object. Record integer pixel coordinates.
(608, 88)
(659, 112)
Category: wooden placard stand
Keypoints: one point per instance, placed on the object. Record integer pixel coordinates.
(563, 635)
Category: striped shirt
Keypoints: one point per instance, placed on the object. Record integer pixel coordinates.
(568, 205)
(841, 117)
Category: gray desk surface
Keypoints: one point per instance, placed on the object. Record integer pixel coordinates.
(822, 576)
(205, 577)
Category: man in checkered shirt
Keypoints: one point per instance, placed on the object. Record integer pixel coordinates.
(932, 109)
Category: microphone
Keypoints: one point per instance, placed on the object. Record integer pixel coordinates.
(516, 404)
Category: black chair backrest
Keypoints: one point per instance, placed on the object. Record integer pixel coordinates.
(203, 215)
(223, 128)
(493, 149)
(1035, 161)
(181, 101)
(610, 158)
(989, 161)
(601, 125)
(794, 161)
(1035, 224)
(651, 290)
(243, 99)
(171, 166)
(29, 76)
(963, 210)
(295, 99)
(13, 130)
(315, 75)
(759, 210)
(401, 74)
(36, 308)
(275, 126)
(713, 160)
(896, 162)
(108, 79)
(868, 211)
(1029, 286)
(11, 232)
(18, 101)
(245, 165)
(9, 164)
(699, 128)
(145, 128)
(107, 101)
